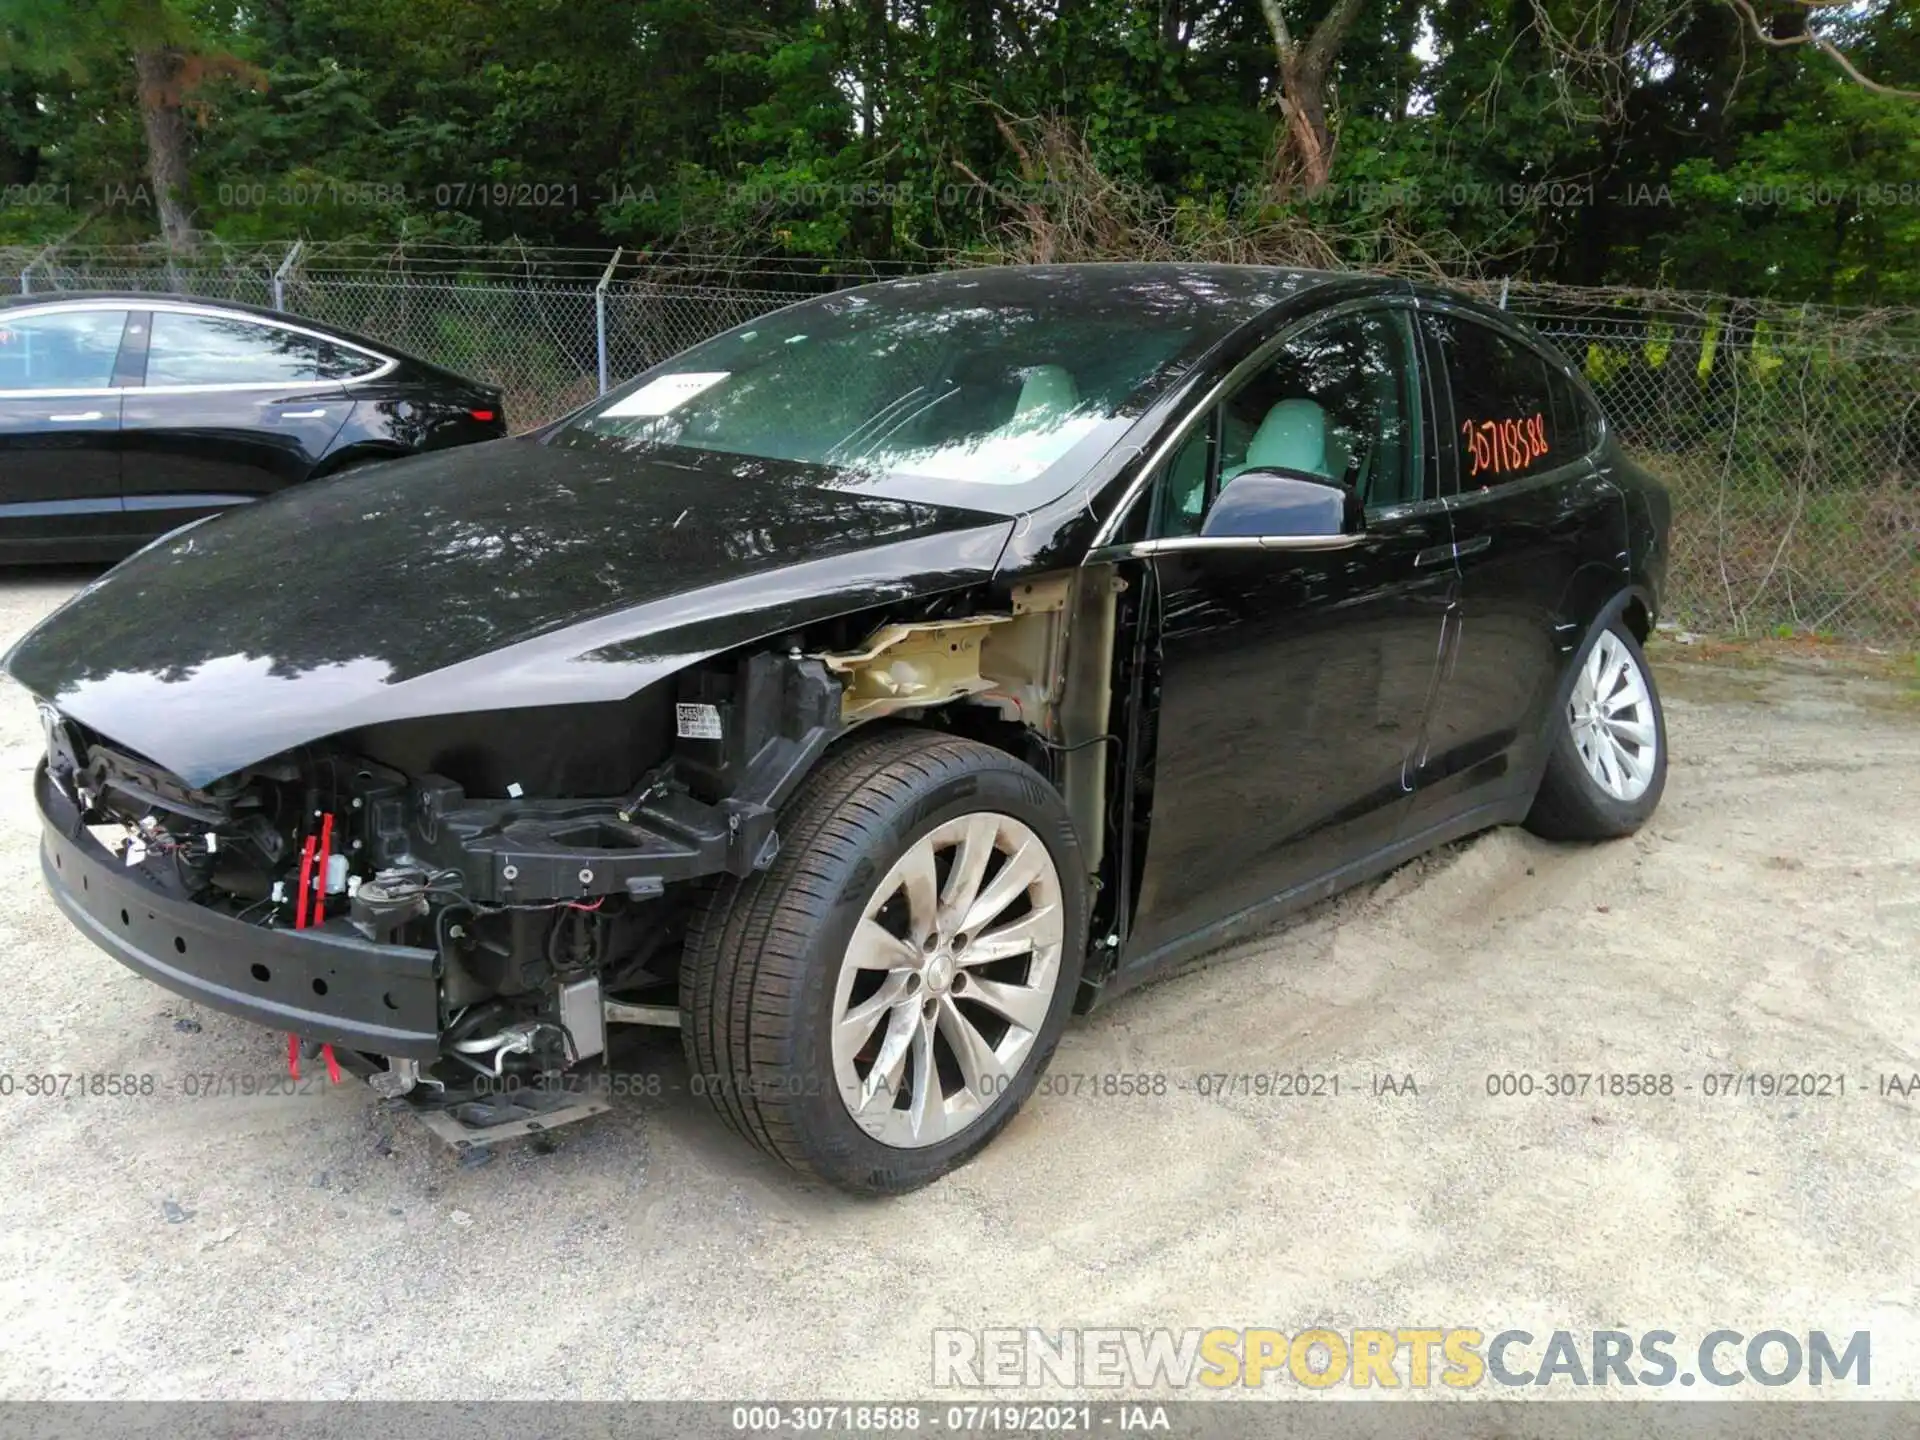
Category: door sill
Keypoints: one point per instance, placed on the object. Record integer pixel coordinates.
(1266, 913)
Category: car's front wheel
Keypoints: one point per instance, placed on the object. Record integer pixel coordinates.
(1608, 762)
(876, 1005)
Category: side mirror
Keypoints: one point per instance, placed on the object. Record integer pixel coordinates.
(1270, 503)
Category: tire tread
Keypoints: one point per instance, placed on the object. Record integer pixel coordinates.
(747, 958)
(1569, 805)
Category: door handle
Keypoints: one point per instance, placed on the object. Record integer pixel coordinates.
(303, 414)
(1441, 554)
(84, 415)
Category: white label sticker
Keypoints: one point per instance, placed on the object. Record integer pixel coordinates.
(697, 722)
(665, 395)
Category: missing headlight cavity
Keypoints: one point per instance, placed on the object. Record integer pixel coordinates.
(514, 890)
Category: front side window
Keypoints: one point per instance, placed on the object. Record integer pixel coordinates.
(1506, 423)
(1185, 485)
(72, 350)
(1335, 402)
(188, 349)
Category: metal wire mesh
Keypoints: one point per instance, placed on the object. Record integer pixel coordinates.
(1788, 440)
(649, 322)
(1787, 436)
(535, 340)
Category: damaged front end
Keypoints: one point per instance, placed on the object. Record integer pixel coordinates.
(456, 907)
(464, 951)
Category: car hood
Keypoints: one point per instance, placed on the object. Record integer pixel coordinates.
(485, 577)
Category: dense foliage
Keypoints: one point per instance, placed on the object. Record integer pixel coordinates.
(1650, 142)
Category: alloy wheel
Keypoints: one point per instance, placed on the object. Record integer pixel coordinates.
(948, 979)
(1611, 715)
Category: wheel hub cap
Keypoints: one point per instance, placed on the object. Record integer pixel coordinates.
(940, 972)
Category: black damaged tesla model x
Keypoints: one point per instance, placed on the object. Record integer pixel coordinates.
(861, 691)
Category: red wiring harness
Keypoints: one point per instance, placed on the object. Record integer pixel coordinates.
(313, 884)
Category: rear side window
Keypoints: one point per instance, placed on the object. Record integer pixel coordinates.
(72, 350)
(221, 350)
(1506, 423)
(1574, 415)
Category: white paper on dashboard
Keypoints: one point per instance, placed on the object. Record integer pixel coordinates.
(665, 395)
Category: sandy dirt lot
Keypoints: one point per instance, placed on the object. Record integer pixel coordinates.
(318, 1246)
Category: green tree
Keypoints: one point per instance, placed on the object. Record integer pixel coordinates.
(172, 48)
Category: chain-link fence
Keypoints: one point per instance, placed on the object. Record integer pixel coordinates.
(1789, 436)
(1790, 441)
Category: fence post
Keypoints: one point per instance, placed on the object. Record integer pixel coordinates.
(26, 275)
(280, 275)
(600, 315)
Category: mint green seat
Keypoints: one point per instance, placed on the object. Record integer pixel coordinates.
(1293, 436)
(1048, 395)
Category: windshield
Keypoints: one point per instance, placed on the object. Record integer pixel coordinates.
(993, 389)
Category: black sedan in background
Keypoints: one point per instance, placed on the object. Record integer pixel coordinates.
(860, 692)
(123, 416)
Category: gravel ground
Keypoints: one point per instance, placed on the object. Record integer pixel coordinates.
(315, 1246)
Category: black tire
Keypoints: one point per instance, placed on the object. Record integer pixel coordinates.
(1570, 803)
(763, 953)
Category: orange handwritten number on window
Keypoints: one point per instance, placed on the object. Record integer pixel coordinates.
(1501, 447)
